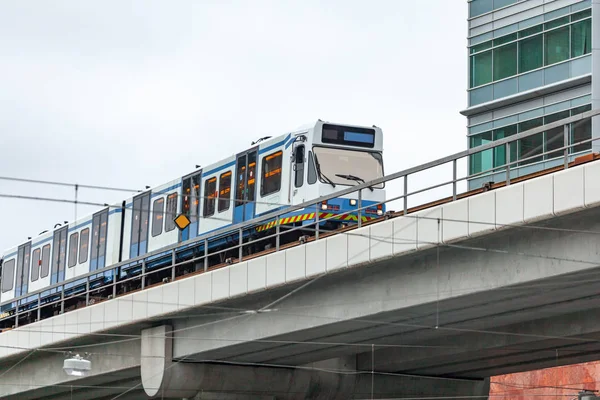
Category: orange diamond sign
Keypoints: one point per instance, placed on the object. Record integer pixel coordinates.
(182, 221)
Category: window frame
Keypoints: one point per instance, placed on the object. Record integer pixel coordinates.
(263, 164)
(158, 216)
(72, 261)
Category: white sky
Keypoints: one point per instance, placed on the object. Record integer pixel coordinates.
(133, 93)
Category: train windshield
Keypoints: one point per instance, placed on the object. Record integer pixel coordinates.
(348, 167)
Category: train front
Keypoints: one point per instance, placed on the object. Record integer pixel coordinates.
(346, 156)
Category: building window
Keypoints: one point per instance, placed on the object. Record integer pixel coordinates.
(8, 276)
(531, 54)
(532, 146)
(45, 270)
(224, 191)
(73, 245)
(210, 193)
(84, 245)
(271, 174)
(535, 47)
(158, 210)
(556, 43)
(171, 212)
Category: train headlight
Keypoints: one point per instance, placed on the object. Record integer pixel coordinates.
(353, 202)
(379, 210)
(324, 206)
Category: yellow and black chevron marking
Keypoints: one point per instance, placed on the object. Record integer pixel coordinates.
(304, 217)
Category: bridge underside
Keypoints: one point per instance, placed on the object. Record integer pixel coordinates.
(518, 299)
(514, 300)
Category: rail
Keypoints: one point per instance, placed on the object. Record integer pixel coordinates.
(39, 299)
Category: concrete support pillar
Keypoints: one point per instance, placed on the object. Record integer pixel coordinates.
(329, 379)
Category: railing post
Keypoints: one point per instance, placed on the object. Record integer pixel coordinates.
(39, 308)
(359, 214)
(62, 299)
(114, 284)
(173, 265)
(277, 232)
(87, 291)
(405, 194)
(205, 255)
(317, 222)
(507, 158)
(241, 243)
(143, 273)
(454, 180)
(17, 314)
(566, 144)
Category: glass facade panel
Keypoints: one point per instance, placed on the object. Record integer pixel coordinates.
(555, 137)
(505, 61)
(581, 130)
(505, 88)
(483, 160)
(531, 53)
(557, 22)
(532, 145)
(478, 7)
(581, 38)
(556, 43)
(500, 151)
(481, 69)
(532, 48)
(505, 39)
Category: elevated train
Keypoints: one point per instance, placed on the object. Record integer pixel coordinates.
(275, 173)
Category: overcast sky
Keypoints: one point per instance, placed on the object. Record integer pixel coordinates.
(133, 93)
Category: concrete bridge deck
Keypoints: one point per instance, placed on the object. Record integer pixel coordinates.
(500, 282)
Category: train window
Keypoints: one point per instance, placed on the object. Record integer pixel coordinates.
(103, 231)
(312, 171)
(45, 270)
(210, 192)
(271, 170)
(224, 191)
(84, 245)
(171, 212)
(158, 210)
(36, 262)
(186, 191)
(73, 245)
(8, 275)
(299, 165)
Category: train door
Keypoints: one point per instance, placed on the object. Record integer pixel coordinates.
(190, 204)
(98, 247)
(245, 186)
(59, 255)
(139, 229)
(22, 275)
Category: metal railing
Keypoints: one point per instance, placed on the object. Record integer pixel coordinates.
(42, 298)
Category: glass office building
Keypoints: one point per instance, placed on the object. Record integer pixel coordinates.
(530, 63)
